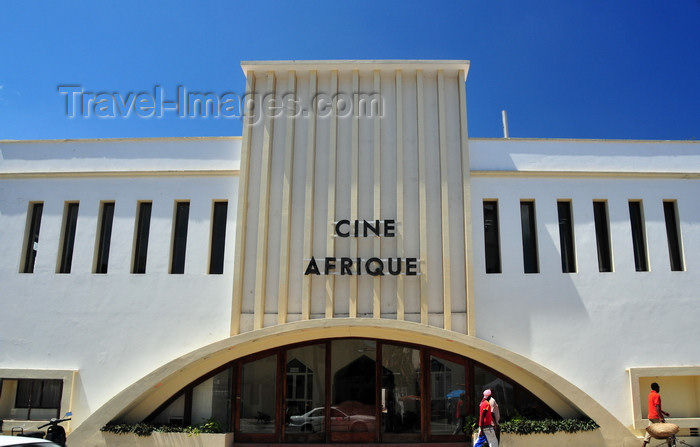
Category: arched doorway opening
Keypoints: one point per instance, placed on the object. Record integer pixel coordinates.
(359, 390)
(136, 402)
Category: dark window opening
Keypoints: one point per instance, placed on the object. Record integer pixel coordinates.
(218, 238)
(32, 239)
(675, 249)
(39, 394)
(602, 236)
(142, 231)
(529, 232)
(68, 240)
(182, 213)
(491, 237)
(105, 237)
(566, 237)
(641, 263)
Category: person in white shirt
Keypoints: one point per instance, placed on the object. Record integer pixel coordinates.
(496, 417)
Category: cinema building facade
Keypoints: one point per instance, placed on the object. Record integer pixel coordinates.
(348, 269)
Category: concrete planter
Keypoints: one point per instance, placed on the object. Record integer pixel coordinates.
(578, 439)
(168, 440)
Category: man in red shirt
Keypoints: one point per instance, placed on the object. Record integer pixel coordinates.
(486, 422)
(654, 412)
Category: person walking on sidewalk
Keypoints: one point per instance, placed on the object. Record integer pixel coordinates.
(486, 431)
(654, 412)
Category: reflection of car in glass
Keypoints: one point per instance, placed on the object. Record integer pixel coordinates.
(313, 421)
(18, 441)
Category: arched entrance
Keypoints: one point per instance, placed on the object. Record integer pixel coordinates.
(357, 390)
(141, 399)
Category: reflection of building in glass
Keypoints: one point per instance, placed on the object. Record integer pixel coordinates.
(355, 382)
(300, 387)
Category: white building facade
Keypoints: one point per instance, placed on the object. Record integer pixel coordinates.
(354, 249)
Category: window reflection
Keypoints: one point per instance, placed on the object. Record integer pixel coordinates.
(258, 379)
(400, 393)
(336, 392)
(211, 400)
(447, 396)
(305, 394)
(353, 376)
(501, 390)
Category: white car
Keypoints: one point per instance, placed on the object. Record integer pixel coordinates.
(21, 441)
(313, 421)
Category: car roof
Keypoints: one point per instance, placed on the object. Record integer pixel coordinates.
(7, 441)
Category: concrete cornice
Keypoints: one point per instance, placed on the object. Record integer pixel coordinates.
(586, 174)
(87, 174)
(584, 140)
(121, 140)
(361, 65)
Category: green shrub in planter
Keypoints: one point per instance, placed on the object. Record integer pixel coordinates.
(143, 429)
(521, 426)
(526, 426)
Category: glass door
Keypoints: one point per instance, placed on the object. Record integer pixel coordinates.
(448, 398)
(257, 399)
(353, 411)
(400, 394)
(305, 394)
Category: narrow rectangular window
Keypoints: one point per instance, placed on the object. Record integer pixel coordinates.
(32, 237)
(218, 238)
(529, 230)
(70, 222)
(104, 237)
(602, 235)
(182, 214)
(491, 238)
(675, 249)
(143, 225)
(641, 262)
(566, 237)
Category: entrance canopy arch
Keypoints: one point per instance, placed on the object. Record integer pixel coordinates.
(136, 402)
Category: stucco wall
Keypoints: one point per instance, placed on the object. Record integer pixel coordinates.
(112, 328)
(590, 327)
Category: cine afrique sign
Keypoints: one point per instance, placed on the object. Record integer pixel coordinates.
(373, 266)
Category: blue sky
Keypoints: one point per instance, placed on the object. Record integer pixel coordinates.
(626, 69)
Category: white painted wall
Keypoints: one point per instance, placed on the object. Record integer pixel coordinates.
(117, 327)
(589, 327)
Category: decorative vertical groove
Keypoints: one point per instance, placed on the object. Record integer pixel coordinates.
(466, 197)
(264, 212)
(444, 205)
(283, 294)
(427, 133)
(377, 302)
(309, 200)
(400, 249)
(354, 185)
(332, 169)
(422, 198)
(242, 210)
